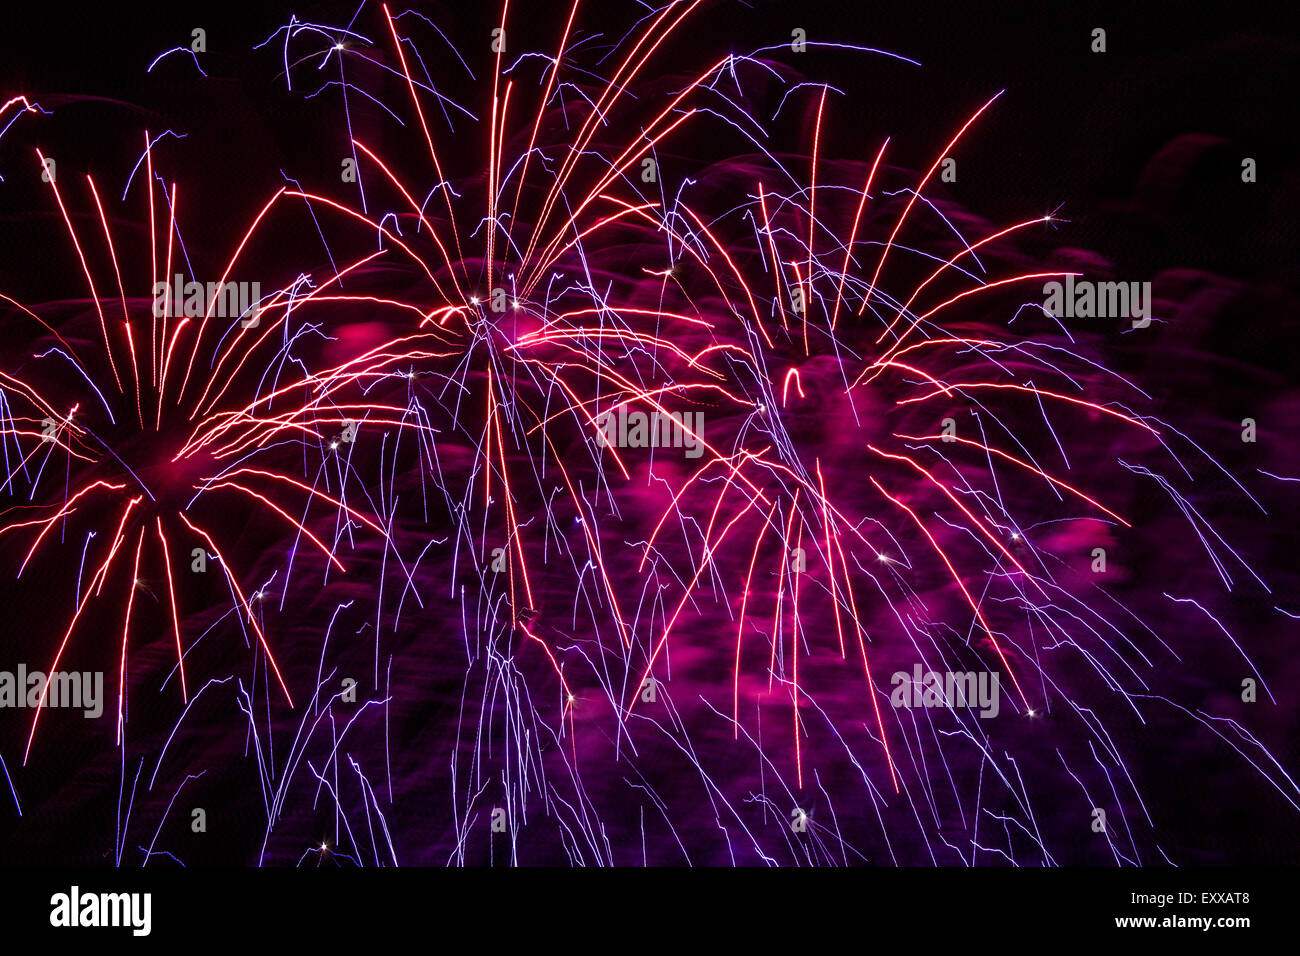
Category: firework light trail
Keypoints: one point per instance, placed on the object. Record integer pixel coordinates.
(951, 535)
(666, 488)
(163, 414)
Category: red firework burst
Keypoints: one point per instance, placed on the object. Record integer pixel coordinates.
(187, 403)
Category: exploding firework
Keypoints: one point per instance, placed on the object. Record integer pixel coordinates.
(130, 444)
(893, 478)
(703, 483)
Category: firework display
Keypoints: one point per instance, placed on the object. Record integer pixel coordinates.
(591, 437)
